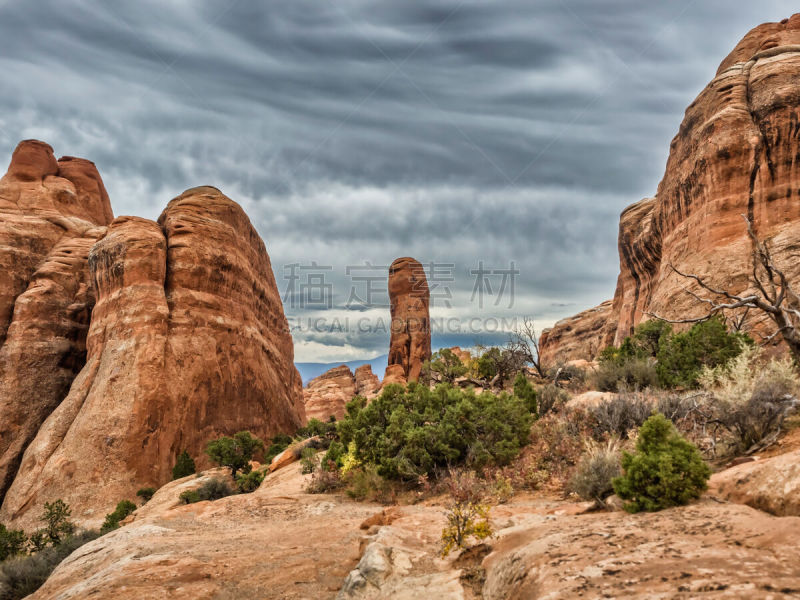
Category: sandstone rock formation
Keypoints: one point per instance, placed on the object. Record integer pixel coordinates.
(735, 154)
(277, 542)
(51, 213)
(410, 343)
(578, 337)
(463, 355)
(771, 485)
(280, 542)
(326, 395)
(367, 383)
(706, 550)
(187, 341)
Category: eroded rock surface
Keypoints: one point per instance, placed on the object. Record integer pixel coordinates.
(326, 395)
(187, 341)
(410, 343)
(706, 550)
(771, 484)
(578, 337)
(51, 214)
(279, 542)
(735, 154)
(367, 383)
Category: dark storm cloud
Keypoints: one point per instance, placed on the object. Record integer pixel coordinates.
(357, 131)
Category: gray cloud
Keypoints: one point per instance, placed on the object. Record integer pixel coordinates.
(350, 131)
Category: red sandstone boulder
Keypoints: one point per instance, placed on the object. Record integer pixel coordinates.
(410, 343)
(293, 453)
(187, 341)
(771, 485)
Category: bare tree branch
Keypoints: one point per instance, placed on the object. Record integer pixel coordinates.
(524, 339)
(774, 297)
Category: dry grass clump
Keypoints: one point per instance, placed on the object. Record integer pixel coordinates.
(599, 465)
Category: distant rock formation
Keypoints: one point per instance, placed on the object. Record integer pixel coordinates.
(410, 343)
(367, 383)
(186, 341)
(326, 395)
(735, 154)
(463, 355)
(578, 337)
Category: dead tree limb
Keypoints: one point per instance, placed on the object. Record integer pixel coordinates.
(774, 296)
(524, 339)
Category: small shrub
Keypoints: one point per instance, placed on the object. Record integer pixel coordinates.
(644, 344)
(146, 493)
(682, 356)
(500, 363)
(57, 524)
(249, 482)
(307, 463)
(335, 454)
(618, 415)
(755, 421)
(487, 364)
(12, 542)
(636, 373)
(315, 427)
(349, 461)
(502, 489)
(278, 444)
(189, 497)
(23, 575)
(752, 397)
(364, 484)
(236, 452)
(123, 509)
(445, 366)
(551, 398)
(573, 375)
(38, 540)
(324, 479)
(213, 489)
(184, 466)
(468, 513)
(675, 407)
(527, 393)
(595, 472)
(665, 471)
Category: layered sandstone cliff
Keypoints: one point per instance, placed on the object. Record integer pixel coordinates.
(736, 153)
(410, 343)
(128, 343)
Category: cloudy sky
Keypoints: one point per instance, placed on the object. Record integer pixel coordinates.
(496, 141)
